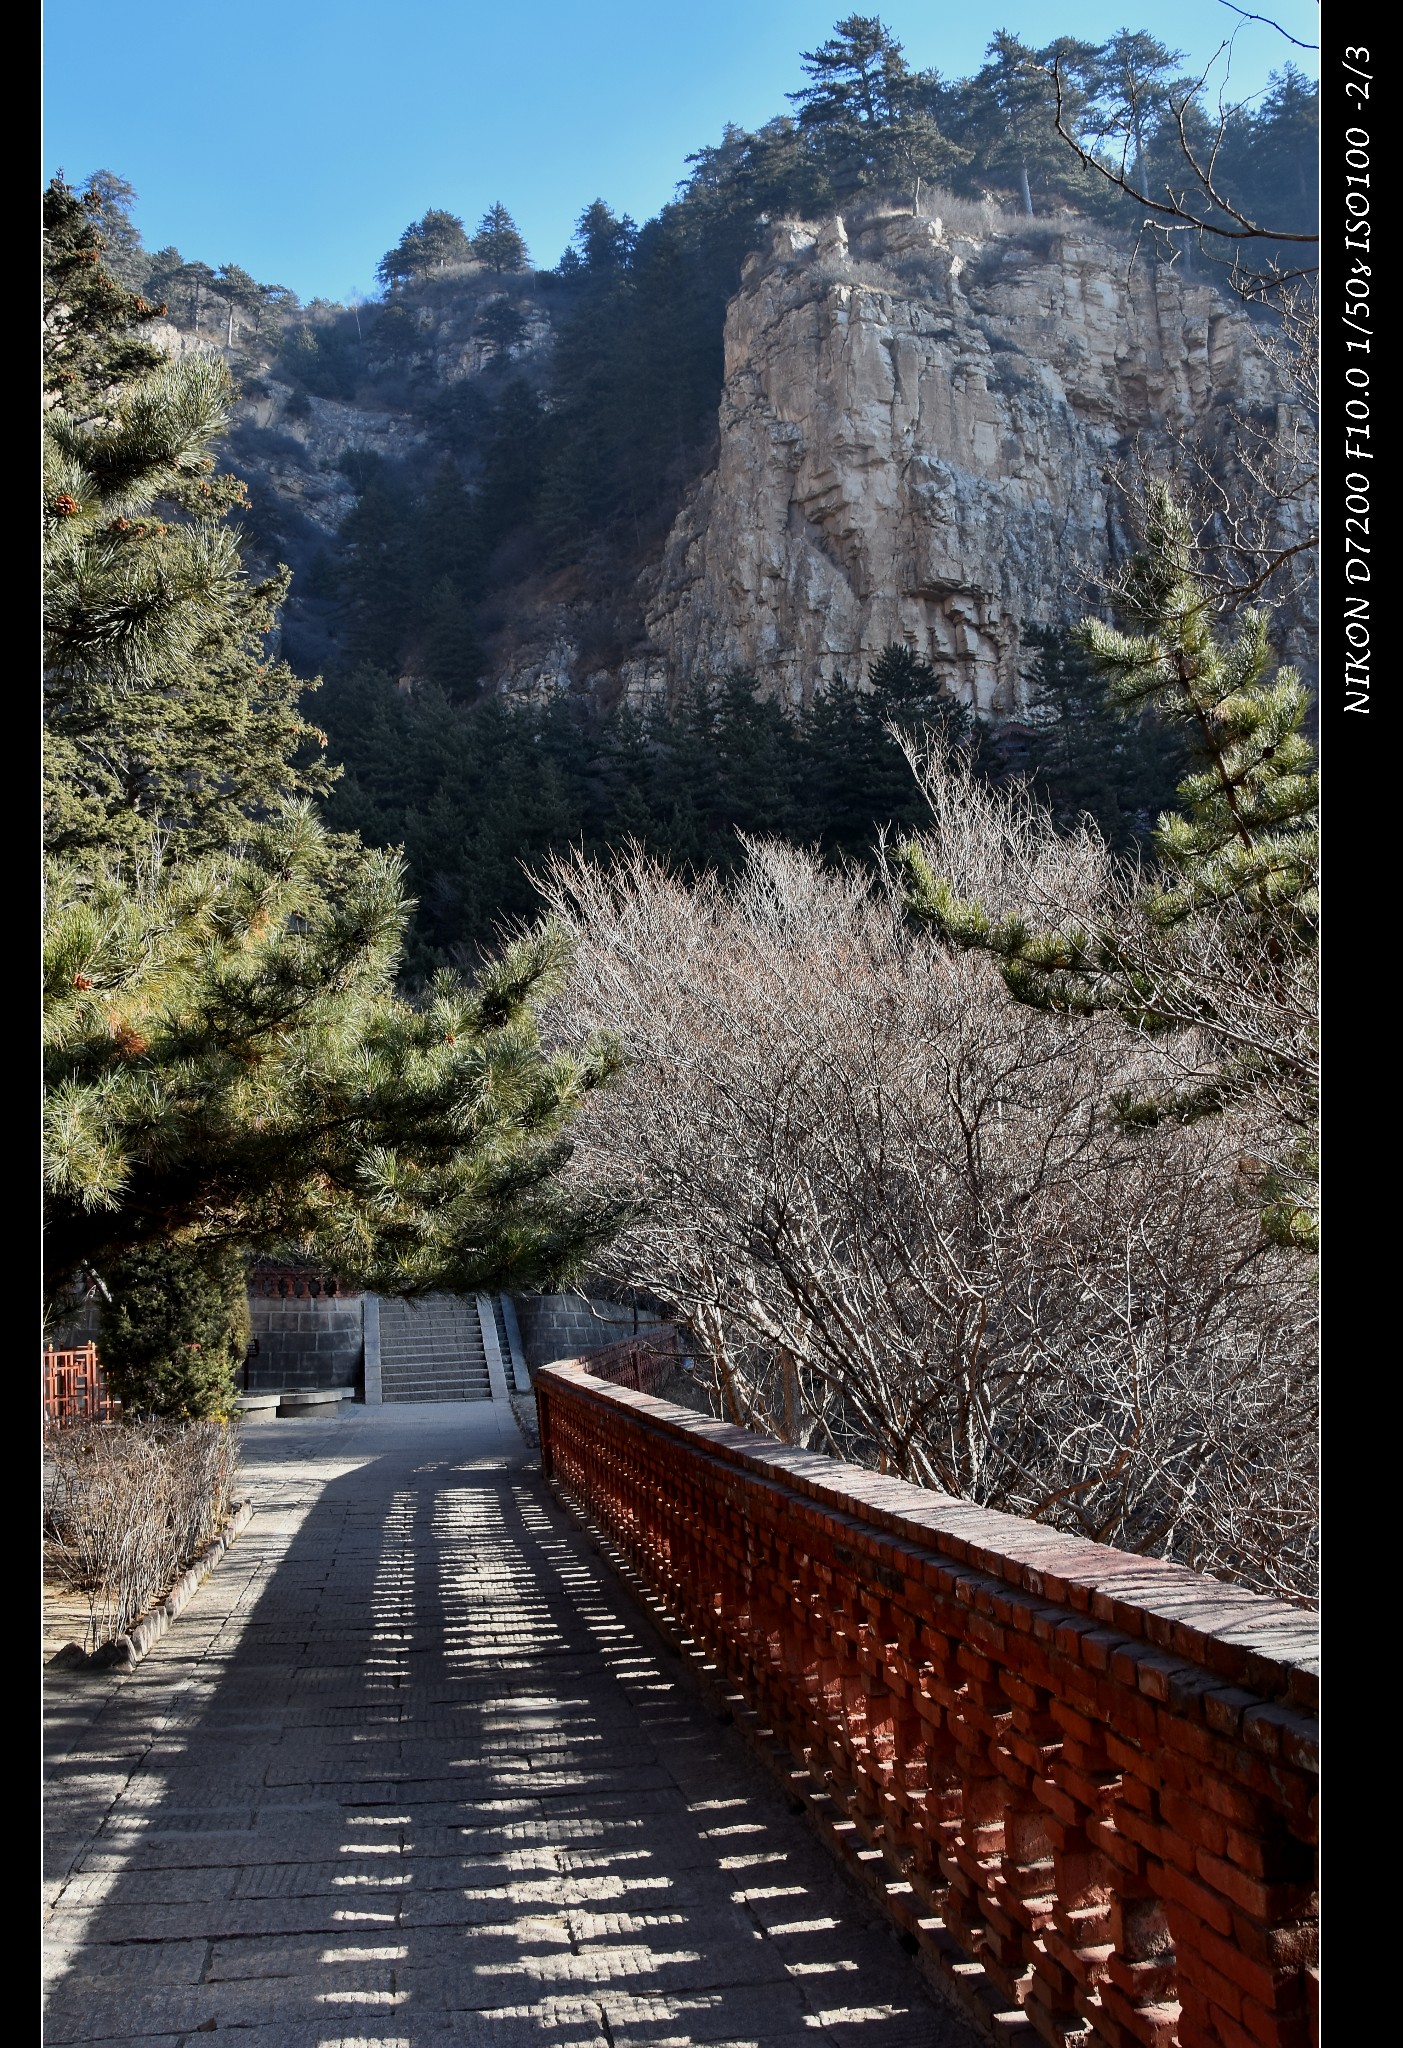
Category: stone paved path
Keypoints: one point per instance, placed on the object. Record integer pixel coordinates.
(410, 1771)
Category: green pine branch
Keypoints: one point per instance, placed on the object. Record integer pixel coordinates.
(1217, 939)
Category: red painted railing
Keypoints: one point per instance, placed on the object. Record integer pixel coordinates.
(74, 1388)
(1085, 1779)
(642, 1362)
(297, 1283)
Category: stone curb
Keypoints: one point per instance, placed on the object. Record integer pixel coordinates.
(126, 1651)
(523, 1407)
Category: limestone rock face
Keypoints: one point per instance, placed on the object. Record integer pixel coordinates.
(915, 434)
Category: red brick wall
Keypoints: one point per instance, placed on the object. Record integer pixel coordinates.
(1090, 1774)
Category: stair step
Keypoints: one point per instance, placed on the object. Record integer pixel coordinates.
(418, 1368)
(435, 1372)
(451, 1389)
(437, 1379)
(424, 1372)
(433, 1350)
(444, 1362)
(449, 1347)
(437, 1394)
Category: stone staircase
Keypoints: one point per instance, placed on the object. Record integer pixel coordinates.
(432, 1350)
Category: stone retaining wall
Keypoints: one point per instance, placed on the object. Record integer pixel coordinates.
(569, 1326)
(306, 1341)
(303, 1339)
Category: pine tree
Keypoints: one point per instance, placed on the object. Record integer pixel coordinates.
(856, 780)
(498, 243)
(173, 1331)
(778, 169)
(327, 361)
(242, 295)
(504, 326)
(856, 77)
(910, 691)
(378, 563)
(1006, 114)
(163, 708)
(754, 744)
(873, 117)
(1088, 757)
(1266, 164)
(605, 240)
(447, 543)
(197, 283)
(228, 1066)
(110, 200)
(449, 653)
(91, 340)
(1131, 92)
(163, 270)
(514, 459)
(1246, 832)
(494, 789)
(852, 776)
(1220, 940)
(425, 246)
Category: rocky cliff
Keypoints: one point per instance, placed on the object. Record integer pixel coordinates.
(915, 438)
(918, 435)
(288, 443)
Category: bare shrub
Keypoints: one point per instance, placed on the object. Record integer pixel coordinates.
(128, 1506)
(897, 1213)
(1233, 978)
(962, 215)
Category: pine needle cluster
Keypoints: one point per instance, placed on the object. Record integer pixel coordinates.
(164, 708)
(230, 1070)
(228, 1064)
(1218, 937)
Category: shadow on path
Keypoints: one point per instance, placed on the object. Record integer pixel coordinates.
(439, 1784)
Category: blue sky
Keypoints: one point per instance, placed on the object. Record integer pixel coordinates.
(300, 139)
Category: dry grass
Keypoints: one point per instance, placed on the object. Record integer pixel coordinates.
(963, 216)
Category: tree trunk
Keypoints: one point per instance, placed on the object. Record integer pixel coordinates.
(1137, 135)
(1027, 195)
(789, 1381)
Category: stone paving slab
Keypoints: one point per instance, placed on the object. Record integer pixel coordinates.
(410, 1770)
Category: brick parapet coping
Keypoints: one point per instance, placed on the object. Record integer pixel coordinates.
(1090, 1776)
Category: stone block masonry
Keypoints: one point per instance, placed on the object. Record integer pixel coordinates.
(1088, 1777)
(305, 1341)
(568, 1325)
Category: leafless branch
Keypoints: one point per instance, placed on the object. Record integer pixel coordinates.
(899, 1217)
(1267, 20)
(1238, 226)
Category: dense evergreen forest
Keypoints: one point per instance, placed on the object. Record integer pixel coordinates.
(562, 464)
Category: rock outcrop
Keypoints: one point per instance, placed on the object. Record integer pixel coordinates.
(918, 431)
(915, 437)
(289, 446)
